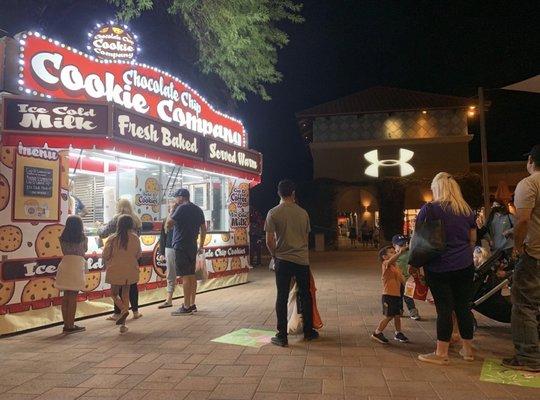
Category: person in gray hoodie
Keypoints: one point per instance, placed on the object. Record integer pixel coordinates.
(499, 228)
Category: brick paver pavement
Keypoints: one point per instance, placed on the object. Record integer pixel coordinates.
(165, 357)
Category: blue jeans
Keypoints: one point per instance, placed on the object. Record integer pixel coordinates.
(525, 310)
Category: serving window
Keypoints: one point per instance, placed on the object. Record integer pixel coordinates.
(98, 179)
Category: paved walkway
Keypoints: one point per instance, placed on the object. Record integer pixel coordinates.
(164, 357)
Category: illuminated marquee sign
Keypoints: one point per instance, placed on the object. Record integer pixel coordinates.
(113, 42)
(48, 68)
(403, 162)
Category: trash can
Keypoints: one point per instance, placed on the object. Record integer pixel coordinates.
(319, 242)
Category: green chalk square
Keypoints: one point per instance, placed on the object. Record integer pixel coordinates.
(493, 371)
(246, 337)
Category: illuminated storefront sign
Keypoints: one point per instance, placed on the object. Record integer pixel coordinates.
(403, 162)
(224, 154)
(26, 115)
(113, 42)
(131, 127)
(48, 68)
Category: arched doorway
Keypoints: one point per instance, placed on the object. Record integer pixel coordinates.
(356, 205)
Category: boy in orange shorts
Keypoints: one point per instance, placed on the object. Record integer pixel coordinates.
(392, 279)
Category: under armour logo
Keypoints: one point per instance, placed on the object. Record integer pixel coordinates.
(404, 167)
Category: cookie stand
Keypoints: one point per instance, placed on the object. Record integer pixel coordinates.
(77, 141)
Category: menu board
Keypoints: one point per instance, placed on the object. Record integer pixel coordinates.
(37, 185)
(38, 182)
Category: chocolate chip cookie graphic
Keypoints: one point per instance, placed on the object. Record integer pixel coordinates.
(146, 218)
(64, 170)
(151, 185)
(39, 289)
(4, 192)
(48, 241)
(148, 240)
(225, 237)
(11, 238)
(236, 263)
(240, 236)
(92, 281)
(207, 239)
(6, 292)
(220, 264)
(145, 274)
(7, 156)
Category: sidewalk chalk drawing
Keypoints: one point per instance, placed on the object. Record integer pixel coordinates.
(493, 371)
(246, 337)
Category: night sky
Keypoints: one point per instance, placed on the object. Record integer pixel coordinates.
(447, 47)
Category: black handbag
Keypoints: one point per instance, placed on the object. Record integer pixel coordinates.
(428, 241)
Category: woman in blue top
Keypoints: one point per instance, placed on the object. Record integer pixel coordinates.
(450, 276)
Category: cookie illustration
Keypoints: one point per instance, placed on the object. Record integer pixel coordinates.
(6, 292)
(146, 218)
(48, 241)
(148, 240)
(64, 169)
(220, 264)
(7, 156)
(225, 237)
(145, 274)
(39, 289)
(151, 185)
(240, 236)
(244, 186)
(233, 208)
(236, 263)
(92, 281)
(4, 192)
(11, 238)
(207, 239)
(156, 208)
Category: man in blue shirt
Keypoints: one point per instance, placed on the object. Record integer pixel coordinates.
(187, 220)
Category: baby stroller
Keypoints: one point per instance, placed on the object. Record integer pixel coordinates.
(488, 285)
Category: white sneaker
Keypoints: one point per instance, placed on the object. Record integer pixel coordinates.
(113, 317)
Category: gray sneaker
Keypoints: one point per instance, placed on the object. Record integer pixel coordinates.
(182, 311)
(414, 314)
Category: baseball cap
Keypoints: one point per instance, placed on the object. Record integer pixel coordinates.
(534, 153)
(399, 240)
(182, 193)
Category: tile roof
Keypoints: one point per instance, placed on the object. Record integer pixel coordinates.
(386, 99)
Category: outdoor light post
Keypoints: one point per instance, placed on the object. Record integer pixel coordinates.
(483, 148)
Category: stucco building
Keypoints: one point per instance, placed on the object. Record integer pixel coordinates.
(386, 134)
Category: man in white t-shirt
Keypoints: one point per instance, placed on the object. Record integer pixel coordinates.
(526, 280)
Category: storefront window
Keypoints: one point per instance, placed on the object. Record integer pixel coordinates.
(409, 219)
(100, 178)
